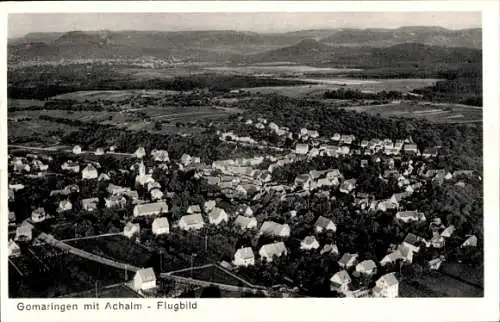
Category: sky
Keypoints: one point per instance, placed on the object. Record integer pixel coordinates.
(21, 24)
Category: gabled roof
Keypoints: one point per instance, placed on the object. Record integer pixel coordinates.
(194, 209)
(366, 265)
(145, 208)
(245, 253)
(194, 219)
(341, 278)
(243, 221)
(146, 275)
(322, 222)
(216, 213)
(388, 279)
(161, 222)
(412, 239)
(90, 167)
(346, 258)
(273, 249)
(272, 228)
(309, 240)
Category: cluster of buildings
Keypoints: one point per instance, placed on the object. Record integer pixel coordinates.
(244, 177)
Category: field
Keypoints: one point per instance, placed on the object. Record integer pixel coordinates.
(438, 285)
(437, 113)
(48, 273)
(115, 291)
(321, 85)
(278, 69)
(116, 96)
(36, 131)
(20, 103)
(119, 248)
(211, 274)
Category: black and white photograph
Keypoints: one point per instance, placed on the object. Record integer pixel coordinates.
(190, 155)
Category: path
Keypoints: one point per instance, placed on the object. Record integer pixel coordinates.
(81, 253)
(53, 149)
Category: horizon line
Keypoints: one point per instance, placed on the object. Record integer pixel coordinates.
(245, 31)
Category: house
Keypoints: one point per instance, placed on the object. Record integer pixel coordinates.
(301, 149)
(386, 286)
(304, 181)
(410, 216)
(77, 149)
(323, 224)
(430, 153)
(333, 174)
(330, 249)
(448, 231)
(364, 143)
(410, 148)
(103, 177)
(347, 139)
(14, 249)
(191, 222)
(12, 217)
(156, 194)
(391, 258)
(309, 243)
(160, 155)
(208, 206)
(406, 253)
(38, 215)
(71, 166)
(272, 228)
(116, 190)
(244, 257)
(90, 204)
(99, 151)
(245, 222)
(131, 229)
(150, 209)
(160, 226)
(217, 216)
(144, 279)
(89, 172)
(213, 181)
(140, 153)
(412, 241)
(435, 264)
(115, 201)
(64, 205)
(340, 282)
(470, 242)
(194, 209)
(348, 260)
(186, 159)
(347, 186)
(24, 233)
(314, 152)
(153, 185)
(268, 251)
(366, 267)
(336, 137)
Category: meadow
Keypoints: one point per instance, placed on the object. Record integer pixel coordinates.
(433, 112)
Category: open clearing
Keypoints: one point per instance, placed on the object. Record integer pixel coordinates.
(321, 85)
(117, 96)
(436, 113)
(278, 69)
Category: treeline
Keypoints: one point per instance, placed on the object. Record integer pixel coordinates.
(348, 93)
(461, 143)
(25, 85)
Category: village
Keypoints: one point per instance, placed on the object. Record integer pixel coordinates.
(237, 190)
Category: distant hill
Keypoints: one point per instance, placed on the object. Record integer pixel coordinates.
(401, 55)
(435, 36)
(219, 45)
